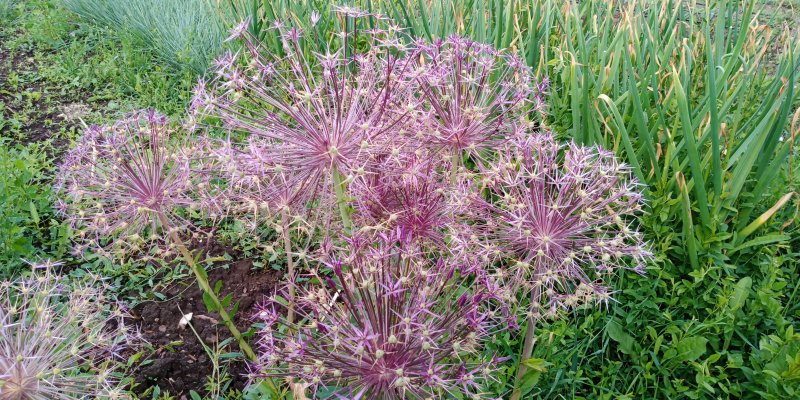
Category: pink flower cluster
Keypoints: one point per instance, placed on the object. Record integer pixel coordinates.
(465, 214)
(121, 182)
(57, 341)
(389, 320)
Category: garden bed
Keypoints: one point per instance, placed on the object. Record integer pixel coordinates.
(180, 362)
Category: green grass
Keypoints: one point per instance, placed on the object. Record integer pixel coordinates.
(185, 34)
(6, 9)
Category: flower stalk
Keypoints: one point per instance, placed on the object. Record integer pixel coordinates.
(341, 201)
(203, 282)
(287, 249)
(527, 351)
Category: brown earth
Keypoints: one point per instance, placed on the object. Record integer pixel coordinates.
(180, 363)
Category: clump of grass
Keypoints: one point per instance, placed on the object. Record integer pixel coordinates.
(6, 8)
(186, 34)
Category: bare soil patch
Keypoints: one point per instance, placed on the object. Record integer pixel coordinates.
(180, 363)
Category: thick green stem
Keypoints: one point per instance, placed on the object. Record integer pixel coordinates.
(203, 282)
(287, 248)
(206, 288)
(455, 163)
(527, 351)
(338, 188)
(527, 347)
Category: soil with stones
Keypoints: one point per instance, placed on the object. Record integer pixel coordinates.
(180, 362)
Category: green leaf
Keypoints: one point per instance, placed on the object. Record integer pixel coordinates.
(627, 344)
(538, 364)
(194, 395)
(209, 302)
(740, 293)
(691, 348)
(34, 214)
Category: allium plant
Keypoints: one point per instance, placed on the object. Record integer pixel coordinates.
(58, 341)
(319, 111)
(475, 96)
(121, 180)
(386, 322)
(128, 181)
(254, 187)
(559, 220)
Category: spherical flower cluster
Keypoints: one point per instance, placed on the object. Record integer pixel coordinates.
(317, 112)
(58, 342)
(409, 193)
(559, 219)
(122, 181)
(475, 97)
(386, 322)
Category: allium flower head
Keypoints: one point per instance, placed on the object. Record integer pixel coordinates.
(255, 185)
(475, 96)
(386, 323)
(318, 110)
(406, 192)
(58, 342)
(119, 178)
(560, 217)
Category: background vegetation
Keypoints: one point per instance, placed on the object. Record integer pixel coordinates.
(700, 98)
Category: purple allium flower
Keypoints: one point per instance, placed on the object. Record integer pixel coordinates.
(559, 217)
(120, 178)
(476, 97)
(385, 322)
(318, 112)
(405, 191)
(255, 186)
(58, 341)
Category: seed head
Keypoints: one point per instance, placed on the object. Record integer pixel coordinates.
(312, 111)
(475, 96)
(119, 178)
(559, 219)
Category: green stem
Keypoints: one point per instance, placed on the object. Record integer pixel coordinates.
(527, 351)
(287, 248)
(203, 282)
(338, 187)
(455, 163)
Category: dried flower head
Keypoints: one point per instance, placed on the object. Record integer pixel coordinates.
(58, 342)
(386, 323)
(559, 218)
(121, 179)
(476, 97)
(318, 112)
